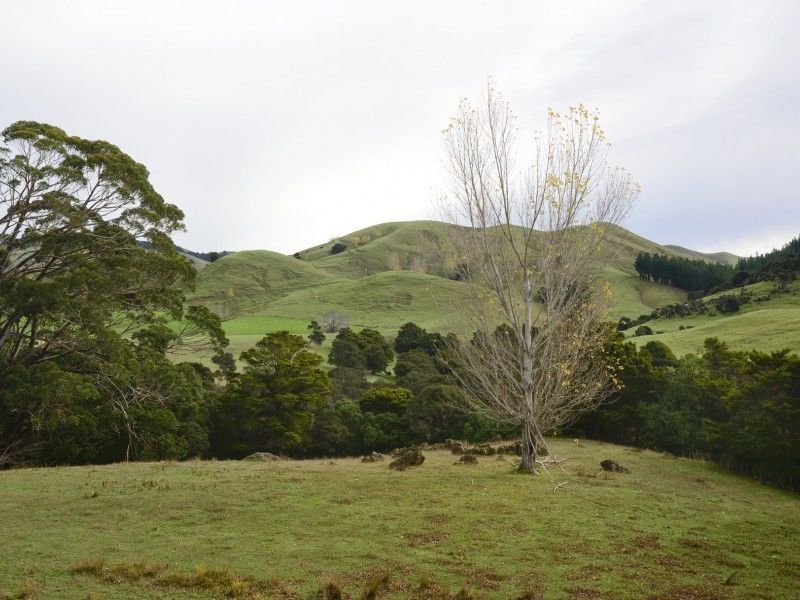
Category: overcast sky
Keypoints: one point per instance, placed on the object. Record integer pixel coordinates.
(280, 125)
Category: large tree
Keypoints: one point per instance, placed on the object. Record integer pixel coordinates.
(88, 273)
(272, 404)
(532, 243)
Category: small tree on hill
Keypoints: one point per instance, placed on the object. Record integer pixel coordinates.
(333, 320)
(316, 336)
(346, 350)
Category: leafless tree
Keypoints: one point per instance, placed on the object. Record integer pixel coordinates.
(530, 246)
(332, 321)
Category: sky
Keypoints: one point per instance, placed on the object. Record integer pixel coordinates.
(281, 125)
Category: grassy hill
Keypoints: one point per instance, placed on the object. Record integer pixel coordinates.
(392, 273)
(771, 324)
(406, 256)
(672, 529)
(245, 282)
(726, 258)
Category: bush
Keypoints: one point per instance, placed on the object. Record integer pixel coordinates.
(643, 330)
(338, 247)
(727, 304)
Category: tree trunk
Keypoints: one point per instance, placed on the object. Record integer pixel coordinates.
(527, 464)
(528, 460)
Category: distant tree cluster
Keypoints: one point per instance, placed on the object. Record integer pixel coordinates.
(700, 276)
(367, 349)
(281, 403)
(685, 273)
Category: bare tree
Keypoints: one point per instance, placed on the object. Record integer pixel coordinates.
(332, 321)
(530, 245)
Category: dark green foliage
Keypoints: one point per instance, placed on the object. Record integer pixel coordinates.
(91, 301)
(271, 405)
(367, 349)
(726, 303)
(386, 400)
(436, 413)
(685, 273)
(643, 330)
(660, 354)
(346, 350)
(413, 337)
(330, 435)
(782, 264)
(701, 276)
(377, 350)
(347, 382)
(338, 247)
(316, 336)
(739, 409)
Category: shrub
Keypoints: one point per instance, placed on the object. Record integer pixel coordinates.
(338, 247)
(643, 330)
(727, 304)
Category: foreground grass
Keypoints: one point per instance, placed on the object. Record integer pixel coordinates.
(671, 529)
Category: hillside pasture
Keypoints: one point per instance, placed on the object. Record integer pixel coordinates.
(671, 529)
(773, 324)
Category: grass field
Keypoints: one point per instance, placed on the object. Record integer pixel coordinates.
(672, 529)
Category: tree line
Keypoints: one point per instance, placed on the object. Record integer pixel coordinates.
(738, 409)
(704, 277)
(93, 323)
(688, 274)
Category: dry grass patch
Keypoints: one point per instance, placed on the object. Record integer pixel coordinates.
(220, 582)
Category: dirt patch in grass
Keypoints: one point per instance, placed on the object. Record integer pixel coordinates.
(588, 572)
(221, 582)
(28, 591)
(582, 593)
(483, 578)
(711, 551)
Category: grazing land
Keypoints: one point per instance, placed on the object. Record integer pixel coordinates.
(387, 275)
(670, 529)
(769, 325)
(391, 274)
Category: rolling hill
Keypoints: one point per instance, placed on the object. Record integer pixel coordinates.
(772, 323)
(725, 258)
(391, 273)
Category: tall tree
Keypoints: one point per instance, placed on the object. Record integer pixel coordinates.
(271, 405)
(86, 262)
(539, 235)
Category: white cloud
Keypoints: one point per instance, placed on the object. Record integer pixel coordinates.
(281, 124)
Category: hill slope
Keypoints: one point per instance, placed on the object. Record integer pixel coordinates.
(253, 282)
(244, 282)
(671, 529)
(772, 323)
(391, 273)
(725, 258)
